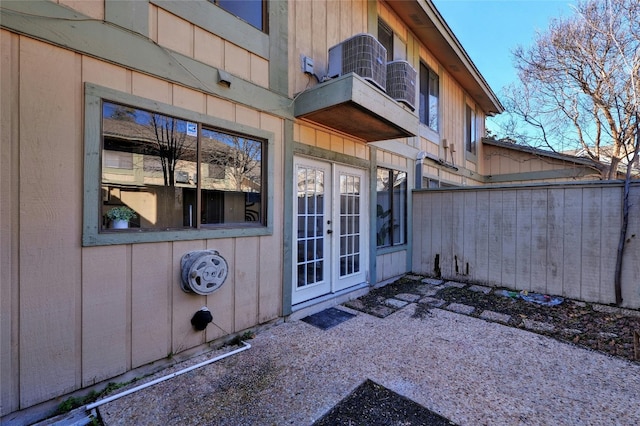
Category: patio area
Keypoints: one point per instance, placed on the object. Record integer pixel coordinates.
(470, 370)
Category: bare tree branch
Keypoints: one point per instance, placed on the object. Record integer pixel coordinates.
(579, 84)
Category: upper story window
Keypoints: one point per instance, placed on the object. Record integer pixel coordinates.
(429, 97)
(385, 37)
(253, 12)
(391, 209)
(471, 132)
(177, 174)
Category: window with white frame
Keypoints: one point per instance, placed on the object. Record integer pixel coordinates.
(254, 12)
(429, 97)
(391, 207)
(471, 132)
(177, 174)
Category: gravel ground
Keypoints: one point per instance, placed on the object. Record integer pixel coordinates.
(599, 327)
(469, 370)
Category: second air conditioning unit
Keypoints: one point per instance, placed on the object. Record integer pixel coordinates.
(401, 82)
(361, 54)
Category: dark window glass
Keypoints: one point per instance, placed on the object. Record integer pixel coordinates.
(429, 97)
(391, 209)
(236, 197)
(470, 130)
(385, 37)
(251, 11)
(156, 165)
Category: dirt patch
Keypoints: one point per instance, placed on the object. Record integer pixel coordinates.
(602, 328)
(374, 405)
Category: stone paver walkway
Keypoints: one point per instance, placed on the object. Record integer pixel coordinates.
(425, 293)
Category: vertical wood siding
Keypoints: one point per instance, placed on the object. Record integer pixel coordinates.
(9, 217)
(391, 265)
(74, 316)
(316, 27)
(558, 240)
(49, 223)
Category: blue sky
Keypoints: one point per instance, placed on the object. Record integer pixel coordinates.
(490, 29)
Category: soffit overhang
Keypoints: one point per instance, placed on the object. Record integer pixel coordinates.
(424, 20)
(352, 105)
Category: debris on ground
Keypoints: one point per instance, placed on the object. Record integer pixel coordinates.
(540, 299)
(598, 327)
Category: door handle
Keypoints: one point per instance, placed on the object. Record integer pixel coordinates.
(329, 231)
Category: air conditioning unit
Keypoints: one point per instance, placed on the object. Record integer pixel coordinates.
(182, 177)
(401, 82)
(361, 54)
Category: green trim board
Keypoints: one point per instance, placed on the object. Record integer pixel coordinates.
(272, 46)
(130, 14)
(566, 173)
(510, 186)
(216, 20)
(287, 232)
(372, 17)
(49, 22)
(373, 213)
(410, 154)
(92, 177)
(326, 155)
(279, 47)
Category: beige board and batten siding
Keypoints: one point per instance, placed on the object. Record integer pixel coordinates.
(326, 139)
(9, 217)
(72, 315)
(332, 22)
(182, 36)
(318, 26)
(553, 239)
(504, 164)
(46, 232)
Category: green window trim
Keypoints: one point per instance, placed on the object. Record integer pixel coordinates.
(429, 98)
(471, 134)
(391, 207)
(212, 18)
(253, 12)
(91, 235)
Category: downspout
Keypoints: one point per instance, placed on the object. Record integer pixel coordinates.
(100, 402)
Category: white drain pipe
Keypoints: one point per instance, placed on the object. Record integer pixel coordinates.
(100, 402)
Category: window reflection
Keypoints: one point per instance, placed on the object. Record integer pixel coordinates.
(250, 11)
(391, 188)
(157, 164)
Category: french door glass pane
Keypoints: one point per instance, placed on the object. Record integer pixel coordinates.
(399, 207)
(310, 219)
(349, 217)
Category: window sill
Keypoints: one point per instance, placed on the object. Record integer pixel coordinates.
(133, 236)
(428, 133)
(391, 249)
(469, 156)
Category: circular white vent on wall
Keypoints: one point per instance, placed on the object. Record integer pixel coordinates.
(203, 271)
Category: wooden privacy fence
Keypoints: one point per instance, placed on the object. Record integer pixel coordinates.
(557, 239)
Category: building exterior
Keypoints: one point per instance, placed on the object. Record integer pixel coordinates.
(507, 162)
(268, 164)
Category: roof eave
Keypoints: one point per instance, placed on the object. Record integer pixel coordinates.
(424, 20)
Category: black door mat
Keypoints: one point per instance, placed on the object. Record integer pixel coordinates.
(328, 318)
(374, 405)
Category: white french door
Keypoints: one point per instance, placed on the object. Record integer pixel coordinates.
(330, 227)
